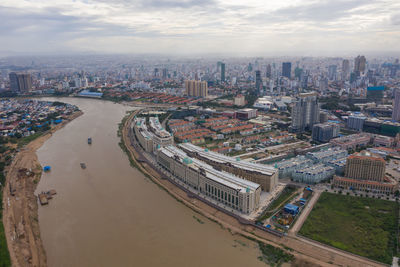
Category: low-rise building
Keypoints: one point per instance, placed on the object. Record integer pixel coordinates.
(239, 100)
(314, 174)
(327, 155)
(385, 141)
(286, 168)
(246, 114)
(352, 141)
(339, 164)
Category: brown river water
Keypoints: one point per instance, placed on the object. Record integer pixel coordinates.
(109, 214)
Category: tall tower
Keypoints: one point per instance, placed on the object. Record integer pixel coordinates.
(196, 88)
(396, 106)
(258, 81)
(24, 82)
(14, 82)
(305, 112)
(332, 72)
(286, 69)
(222, 72)
(359, 64)
(269, 71)
(345, 69)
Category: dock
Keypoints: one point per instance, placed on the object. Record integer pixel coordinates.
(43, 199)
(45, 196)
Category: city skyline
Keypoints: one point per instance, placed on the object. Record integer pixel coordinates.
(239, 28)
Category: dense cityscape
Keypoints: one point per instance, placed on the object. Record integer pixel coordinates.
(261, 139)
(199, 133)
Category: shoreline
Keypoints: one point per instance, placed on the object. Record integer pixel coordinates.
(20, 213)
(304, 252)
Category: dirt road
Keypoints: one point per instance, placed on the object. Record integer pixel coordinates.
(20, 214)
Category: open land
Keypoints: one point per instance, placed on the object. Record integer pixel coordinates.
(20, 214)
(364, 226)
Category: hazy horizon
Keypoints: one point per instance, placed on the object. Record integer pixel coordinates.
(200, 27)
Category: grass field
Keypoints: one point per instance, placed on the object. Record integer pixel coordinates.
(4, 256)
(363, 226)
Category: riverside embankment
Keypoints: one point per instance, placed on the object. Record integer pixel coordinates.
(112, 215)
(20, 214)
(311, 252)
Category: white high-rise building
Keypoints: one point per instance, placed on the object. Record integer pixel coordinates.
(305, 112)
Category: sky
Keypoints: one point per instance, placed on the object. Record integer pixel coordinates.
(205, 27)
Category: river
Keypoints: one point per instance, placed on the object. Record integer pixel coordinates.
(109, 214)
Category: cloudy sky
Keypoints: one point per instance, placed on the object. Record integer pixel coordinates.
(237, 27)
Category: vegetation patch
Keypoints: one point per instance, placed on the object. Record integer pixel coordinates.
(198, 220)
(273, 256)
(25, 140)
(363, 226)
(285, 195)
(5, 260)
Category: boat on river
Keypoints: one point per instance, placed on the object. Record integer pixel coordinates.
(89, 140)
(83, 165)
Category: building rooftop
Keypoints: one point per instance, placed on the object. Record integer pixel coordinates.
(220, 158)
(157, 128)
(221, 177)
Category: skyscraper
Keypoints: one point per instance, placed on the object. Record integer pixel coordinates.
(269, 71)
(222, 72)
(345, 69)
(196, 88)
(396, 106)
(286, 69)
(164, 73)
(258, 81)
(20, 82)
(332, 72)
(14, 82)
(305, 112)
(359, 64)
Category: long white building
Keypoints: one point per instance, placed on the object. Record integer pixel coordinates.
(144, 137)
(228, 189)
(153, 137)
(161, 136)
(261, 174)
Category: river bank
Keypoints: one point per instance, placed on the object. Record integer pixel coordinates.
(306, 253)
(20, 213)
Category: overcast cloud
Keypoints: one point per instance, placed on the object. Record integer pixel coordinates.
(237, 27)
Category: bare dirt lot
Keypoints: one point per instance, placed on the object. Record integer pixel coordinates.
(20, 214)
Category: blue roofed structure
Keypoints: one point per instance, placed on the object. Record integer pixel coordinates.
(292, 209)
